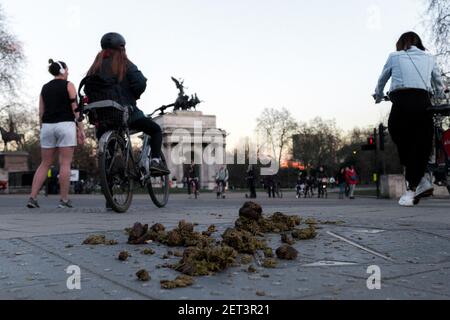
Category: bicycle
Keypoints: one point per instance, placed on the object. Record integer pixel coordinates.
(301, 189)
(193, 185)
(220, 189)
(439, 164)
(323, 190)
(119, 167)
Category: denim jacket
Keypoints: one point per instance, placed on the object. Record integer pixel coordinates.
(411, 69)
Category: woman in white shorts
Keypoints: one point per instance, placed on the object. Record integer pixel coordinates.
(60, 133)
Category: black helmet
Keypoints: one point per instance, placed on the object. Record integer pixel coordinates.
(113, 40)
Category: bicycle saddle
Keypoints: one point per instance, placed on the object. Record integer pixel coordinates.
(105, 104)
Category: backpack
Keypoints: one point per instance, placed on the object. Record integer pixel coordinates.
(100, 87)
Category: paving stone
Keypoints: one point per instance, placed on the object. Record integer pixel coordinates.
(34, 260)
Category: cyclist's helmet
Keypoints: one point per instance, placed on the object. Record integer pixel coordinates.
(113, 40)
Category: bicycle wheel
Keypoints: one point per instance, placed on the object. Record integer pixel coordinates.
(117, 186)
(158, 188)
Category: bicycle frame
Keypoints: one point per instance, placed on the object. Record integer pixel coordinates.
(125, 133)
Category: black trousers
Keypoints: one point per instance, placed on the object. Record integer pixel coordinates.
(252, 187)
(150, 128)
(411, 128)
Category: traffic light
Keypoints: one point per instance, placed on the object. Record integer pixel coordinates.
(382, 134)
(371, 144)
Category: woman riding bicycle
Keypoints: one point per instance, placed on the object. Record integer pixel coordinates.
(193, 179)
(127, 84)
(414, 75)
(221, 181)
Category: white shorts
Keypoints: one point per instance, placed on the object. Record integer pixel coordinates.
(58, 135)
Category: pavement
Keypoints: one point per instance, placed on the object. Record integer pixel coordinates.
(410, 247)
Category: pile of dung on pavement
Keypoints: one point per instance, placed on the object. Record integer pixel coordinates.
(251, 219)
(143, 275)
(182, 236)
(204, 255)
(182, 281)
(286, 252)
(304, 234)
(242, 241)
(206, 261)
(95, 240)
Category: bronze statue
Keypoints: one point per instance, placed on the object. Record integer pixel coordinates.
(184, 102)
(11, 135)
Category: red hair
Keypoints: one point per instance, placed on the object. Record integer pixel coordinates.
(118, 65)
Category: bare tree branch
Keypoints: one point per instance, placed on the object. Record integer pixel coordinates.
(439, 26)
(276, 128)
(11, 58)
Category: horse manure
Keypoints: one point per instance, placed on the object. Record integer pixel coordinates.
(286, 252)
(304, 234)
(269, 263)
(123, 256)
(95, 240)
(143, 275)
(180, 282)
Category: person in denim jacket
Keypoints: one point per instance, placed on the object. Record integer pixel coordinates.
(415, 76)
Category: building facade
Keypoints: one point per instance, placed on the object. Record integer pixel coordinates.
(192, 136)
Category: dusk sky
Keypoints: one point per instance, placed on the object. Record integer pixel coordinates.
(315, 58)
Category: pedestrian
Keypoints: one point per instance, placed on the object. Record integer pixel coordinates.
(251, 176)
(351, 178)
(322, 182)
(341, 181)
(193, 179)
(270, 185)
(309, 191)
(414, 76)
(300, 186)
(222, 177)
(60, 132)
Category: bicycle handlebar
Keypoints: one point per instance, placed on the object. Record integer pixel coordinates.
(161, 110)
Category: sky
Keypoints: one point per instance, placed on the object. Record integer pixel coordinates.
(315, 58)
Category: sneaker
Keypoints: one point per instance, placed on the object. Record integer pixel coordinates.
(407, 200)
(425, 189)
(158, 168)
(32, 204)
(65, 204)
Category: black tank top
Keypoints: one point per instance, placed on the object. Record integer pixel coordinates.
(57, 105)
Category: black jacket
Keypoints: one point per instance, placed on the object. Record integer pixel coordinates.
(134, 84)
(106, 86)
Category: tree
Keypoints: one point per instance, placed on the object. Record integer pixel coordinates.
(11, 58)
(24, 119)
(364, 161)
(276, 128)
(439, 25)
(316, 143)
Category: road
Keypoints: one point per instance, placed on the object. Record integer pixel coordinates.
(410, 246)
